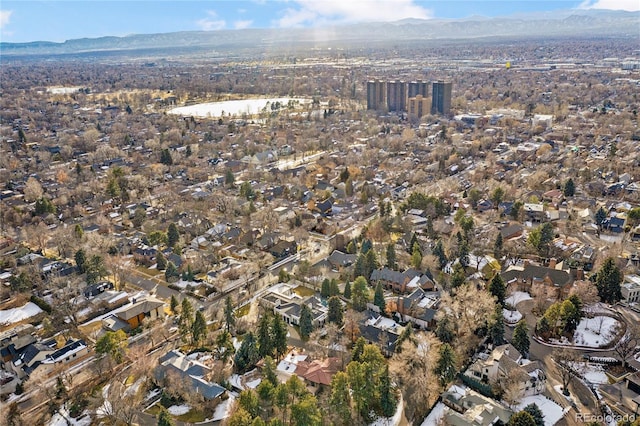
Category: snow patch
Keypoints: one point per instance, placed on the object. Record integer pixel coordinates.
(552, 411)
(234, 108)
(63, 418)
(178, 410)
(13, 315)
(435, 415)
(596, 332)
(511, 316)
(517, 297)
(223, 410)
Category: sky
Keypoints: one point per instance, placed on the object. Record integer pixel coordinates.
(56, 20)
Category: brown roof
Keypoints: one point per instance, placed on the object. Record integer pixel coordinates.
(138, 308)
(318, 371)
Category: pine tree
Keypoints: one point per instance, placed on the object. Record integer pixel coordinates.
(173, 236)
(601, 216)
(391, 257)
(608, 281)
(81, 261)
(325, 289)
(360, 295)
(340, 399)
(185, 322)
(521, 418)
(536, 413)
(358, 349)
(269, 371)
(438, 251)
(387, 398)
(347, 290)
(496, 328)
(444, 330)
(164, 418)
(247, 354)
(199, 328)
(306, 322)
(498, 246)
(279, 336)
(165, 157)
(229, 318)
(335, 314)
(171, 272)
(445, 368)
(498, 289)
(334, 290)
(161, 261)
(173, 305)
(265, 344)
(378, 298)
(569, 188)
(520, 339)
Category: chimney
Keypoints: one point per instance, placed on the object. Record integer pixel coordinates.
(552, 263)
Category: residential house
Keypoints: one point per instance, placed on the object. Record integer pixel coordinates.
(402, 282)
(318, 373)
(419, 308)
(613, 224)
(14, 341)
(534, 212)
(557, 282)
(132, 316)
(283, 249)
(45, 356)
(466, 407)
(339, 260)
(506, 363)
(145, 255)
(630, 289)
(623, 397)
(95, 289)
(381, 331)
(284, 301)
(511, 231)
(190, 372)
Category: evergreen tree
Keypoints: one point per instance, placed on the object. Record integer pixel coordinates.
(173, 236)
(416, 257)
(279, 336)
(171, 272)
(347, 290)
(360, 295)
(536, 413)
(445, 368)
(161, 261)
(520, 339)
(185, 322)
(444, 330)
(229, 178)
(521, 418)
(81, 260)
(498, 289)
(496, 328)
(438, 251)
(569, 188)
(498, 246)
(600, 217)
(95, 269)
(165, 157)
(164, 418)
(325, 289)
(387, 398)
(199, 328)
(358, 349)
(458, 277)
(412, 243)
(463, 254)
(78, 232)
(340, 399)
(173, 305)
(334, 290)
(608, 281)
(269, 371)
(229, 318)
(378, 298)
(247, 354)
(335, 314)
(306, 322)
(265, 344)
(391, 257)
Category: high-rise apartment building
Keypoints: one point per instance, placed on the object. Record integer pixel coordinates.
(397, 96)
(376, 94)
(441, 97)
(416, 88)
(418, 106)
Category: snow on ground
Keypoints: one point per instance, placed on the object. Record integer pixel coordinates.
(593, 373)
(223, 410)
(184, 284)
(435, 415)
(178, 410)
(62, 418)
(235, 108)
(517, 297)
(511, 316)
(152, 394)
(558, 388)
(9, 316)
(595, 332)
(390, 421)
(63, 90)
(552, 411)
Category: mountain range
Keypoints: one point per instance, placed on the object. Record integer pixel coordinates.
(570, 23)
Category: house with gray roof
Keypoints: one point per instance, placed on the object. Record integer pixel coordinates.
(190, 371)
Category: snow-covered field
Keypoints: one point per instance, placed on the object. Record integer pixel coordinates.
(511, 317)
(435, 416)
(593, 373)
(62, 418)
(10, 316)
(595, 332)
(517, 297)
(234, 108)
(178, 410)
(223, 410)
(552, 411)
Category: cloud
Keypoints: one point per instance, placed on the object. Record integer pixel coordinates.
(628, 5)
(5, 18)
(242, 24)
(211, 23)
(314, 12)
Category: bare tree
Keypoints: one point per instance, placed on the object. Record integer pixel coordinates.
(627, 345)
(568, 362)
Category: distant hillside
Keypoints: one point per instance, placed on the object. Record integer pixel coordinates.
(574, 23)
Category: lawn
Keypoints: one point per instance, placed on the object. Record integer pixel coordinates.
(193, 416)
(243, 311)
(303, 291)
